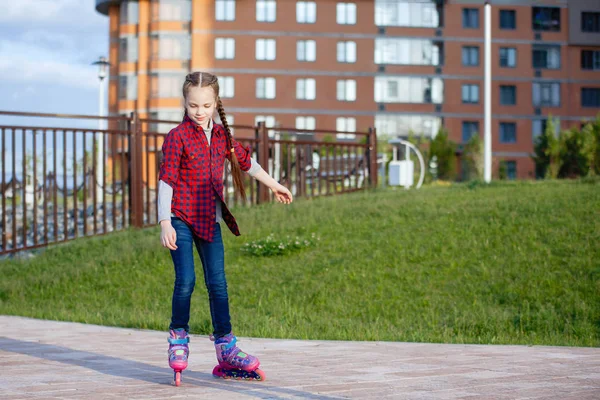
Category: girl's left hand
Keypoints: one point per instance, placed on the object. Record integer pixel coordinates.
(282, 194)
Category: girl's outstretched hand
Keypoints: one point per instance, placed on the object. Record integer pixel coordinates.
(282, 194)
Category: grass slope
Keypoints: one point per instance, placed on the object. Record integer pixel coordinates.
(514, 263)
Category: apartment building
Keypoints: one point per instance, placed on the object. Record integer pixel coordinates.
(398, 65)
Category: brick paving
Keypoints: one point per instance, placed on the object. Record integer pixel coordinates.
(59, 360)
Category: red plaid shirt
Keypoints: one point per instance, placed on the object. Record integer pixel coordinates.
(195, 172)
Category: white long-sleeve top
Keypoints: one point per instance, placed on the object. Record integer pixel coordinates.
(165, 192)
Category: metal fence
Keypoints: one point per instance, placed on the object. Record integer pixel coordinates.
(61, 183)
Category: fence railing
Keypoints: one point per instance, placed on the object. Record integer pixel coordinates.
(59, 183)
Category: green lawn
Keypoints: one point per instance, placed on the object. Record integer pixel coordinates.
(513, 263)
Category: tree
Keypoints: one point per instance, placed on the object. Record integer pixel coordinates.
(444, 150)
(473, 156)
(591, 146)
(573, 161)
(553, 149)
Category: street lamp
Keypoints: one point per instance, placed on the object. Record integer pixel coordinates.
(103, 65)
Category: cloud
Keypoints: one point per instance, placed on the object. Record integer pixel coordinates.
(51, 12)
(30, 63)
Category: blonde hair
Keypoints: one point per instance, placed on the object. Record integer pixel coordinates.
(204, 79)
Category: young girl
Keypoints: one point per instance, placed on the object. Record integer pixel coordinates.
(190, 207)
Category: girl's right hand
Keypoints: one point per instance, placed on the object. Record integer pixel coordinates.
(168, 236)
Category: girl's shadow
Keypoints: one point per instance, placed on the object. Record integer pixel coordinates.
(123, 368)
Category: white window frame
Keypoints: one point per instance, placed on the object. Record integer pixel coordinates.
(269, 121)
(306, 89)
(346, 14)
(224, 48)
(225, 10)
(408, 89)
(266, 10)
(266, 88)
(345, 124)
(548, 94)
(403, 51)
(266, 49)
(346, 90)
(306, 50)
(226, 87)
(306, 122)
(306, 12)
(346, 52)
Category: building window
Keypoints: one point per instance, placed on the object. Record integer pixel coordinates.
(508, 95)
(470, 56)
(547, 57)
(539, 127)
(590, 97)
(129, 13)
(266, 10)
(265, 88)
(508, 19)
(408, 52)
(306, 50)
(128, 49)
(508, 132)
(127, 87)
(170, 47)
(346, 52)
(269, 121)
(305, 123)
(226, 87)
(470, 94)
(174, 116)
(590, 22)
(590, 59)
(346, 90)
(508, 57)
(401, 125)
(343, 124)
(306, 12)
(390, 89)
(511, 170)
(346, 13)
(265, 49)
(165, 85)
(171, 10)
(407, 13)
(546, 19)
(305, 89)
(546, 94)
(470, 18)
(224, 48)
(225, 10)
(469, 129)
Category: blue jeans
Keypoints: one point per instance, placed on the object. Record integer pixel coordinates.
(212, 255)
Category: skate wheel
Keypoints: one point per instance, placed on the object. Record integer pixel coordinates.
(177, 378)
(261, 375)
(218, 372)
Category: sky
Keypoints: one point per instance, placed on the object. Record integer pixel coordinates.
(46, 51)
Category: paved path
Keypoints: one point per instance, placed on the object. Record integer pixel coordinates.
(48, 360)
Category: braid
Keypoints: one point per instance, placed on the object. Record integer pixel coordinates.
(236, 171)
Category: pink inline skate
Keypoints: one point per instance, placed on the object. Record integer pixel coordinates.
(178, 353)
(234, 363)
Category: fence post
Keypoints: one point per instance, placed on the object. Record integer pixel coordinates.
(136, 188)
(373, 157)
(263, 160)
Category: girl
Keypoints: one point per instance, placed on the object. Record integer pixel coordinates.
(190, 207)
